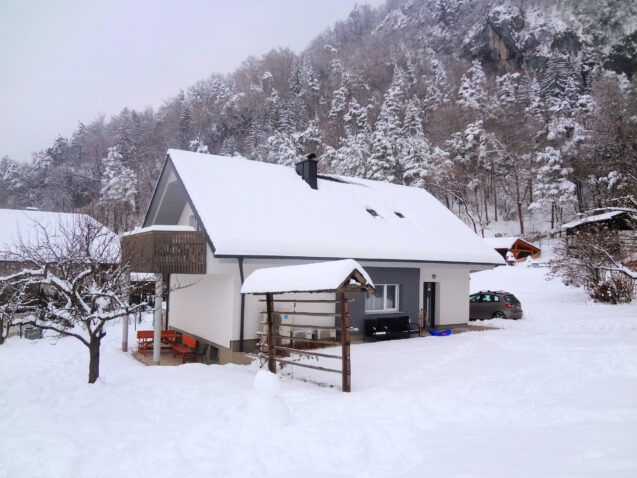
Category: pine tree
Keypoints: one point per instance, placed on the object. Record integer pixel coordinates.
(472, 93)
(119, 188)
(352, 156)
(339, 103)
(198, 146)
(436, 87)
(553, 187)
(414, 148)
(384, 162)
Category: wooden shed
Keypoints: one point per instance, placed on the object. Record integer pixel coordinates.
(514, 246)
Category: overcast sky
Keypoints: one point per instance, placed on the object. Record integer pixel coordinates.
(62, 61)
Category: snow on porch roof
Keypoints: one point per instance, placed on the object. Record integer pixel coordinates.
(317, 277)
(506, 242)
(251, 208)
(159, 228)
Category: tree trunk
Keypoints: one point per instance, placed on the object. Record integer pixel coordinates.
(495, 202)
(94, 361)
(519, 205)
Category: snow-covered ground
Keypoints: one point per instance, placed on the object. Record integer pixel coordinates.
(554, 394)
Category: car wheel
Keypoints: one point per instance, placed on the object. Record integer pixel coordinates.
(499, 315)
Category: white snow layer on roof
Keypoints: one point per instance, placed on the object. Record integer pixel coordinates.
(250, 208)
(175, 228)
(28, 226)
(320, 276)
(596, 218)
(501, 242)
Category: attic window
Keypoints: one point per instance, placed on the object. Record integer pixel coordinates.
(399, 214)
(372, 212)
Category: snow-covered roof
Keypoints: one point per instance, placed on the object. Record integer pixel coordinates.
(596, 218)
(167, 228)
(28, 226)
(505, 242)
(317, 277)
(250, 208)
(501, 242)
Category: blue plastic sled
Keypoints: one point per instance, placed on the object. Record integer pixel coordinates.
(441, 333)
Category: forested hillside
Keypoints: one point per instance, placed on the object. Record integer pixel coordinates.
(501, 109)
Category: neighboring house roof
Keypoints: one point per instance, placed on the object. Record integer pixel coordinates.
(595, 218)
(317, 277)
(506, 242)
(251, 208)
(27, 226)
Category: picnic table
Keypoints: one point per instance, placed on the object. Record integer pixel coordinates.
(146, 339)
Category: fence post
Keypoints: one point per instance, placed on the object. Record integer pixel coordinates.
(270, 309)
(157, 335)
(347, 373)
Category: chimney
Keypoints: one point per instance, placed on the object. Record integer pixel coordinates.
(307, 170)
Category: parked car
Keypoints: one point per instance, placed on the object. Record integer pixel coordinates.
(489, 304)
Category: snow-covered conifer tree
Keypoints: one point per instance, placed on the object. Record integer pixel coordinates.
(118, 190)
(384, 162)
(472, 93)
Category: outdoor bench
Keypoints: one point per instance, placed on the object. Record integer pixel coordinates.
(188, 348)
(383, 328)
(146, 339)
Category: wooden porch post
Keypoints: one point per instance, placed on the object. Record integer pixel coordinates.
(125, 333)
(157, 336)
(270, 309)
(347, 373)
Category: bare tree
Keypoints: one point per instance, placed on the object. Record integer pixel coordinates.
(71, 281)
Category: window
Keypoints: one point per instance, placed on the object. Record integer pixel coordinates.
(474, 298)
(384, 299)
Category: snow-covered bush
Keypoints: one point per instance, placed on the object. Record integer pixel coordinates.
(617, 290)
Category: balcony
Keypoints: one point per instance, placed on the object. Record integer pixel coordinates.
(165, 250)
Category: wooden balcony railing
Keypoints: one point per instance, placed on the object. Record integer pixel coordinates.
(165, 252)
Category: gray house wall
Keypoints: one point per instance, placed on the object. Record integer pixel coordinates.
(408, 298)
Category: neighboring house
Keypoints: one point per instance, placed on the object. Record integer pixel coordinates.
(621, 223)
(513, 249)
(254, 215)
(29, 227)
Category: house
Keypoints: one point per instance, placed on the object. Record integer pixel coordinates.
(513, 249)
(620, 223)
(241, 215)
(29, 226)
(49, 234)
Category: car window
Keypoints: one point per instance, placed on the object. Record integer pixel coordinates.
(511, 299)
(474, 298)
(496, 298)
(487, 298)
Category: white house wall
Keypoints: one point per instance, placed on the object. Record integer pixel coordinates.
(204, 308)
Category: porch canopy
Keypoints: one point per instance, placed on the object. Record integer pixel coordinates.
(345, 275)
(338, 277)
(162, 250)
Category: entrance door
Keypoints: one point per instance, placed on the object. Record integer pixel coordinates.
(429, 303)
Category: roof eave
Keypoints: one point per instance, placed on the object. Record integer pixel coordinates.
(358, 259)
